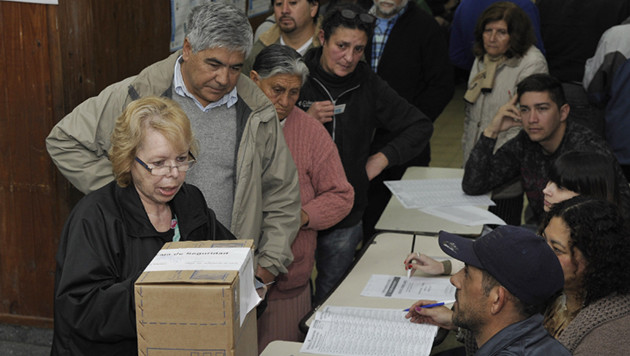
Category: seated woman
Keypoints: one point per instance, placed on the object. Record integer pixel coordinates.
(573, 173)
(113, 233)
(593, 314)
(581, 173)
(326, 195)
(505, 55)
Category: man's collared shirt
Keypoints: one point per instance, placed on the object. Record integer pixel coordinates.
(302, 50)
(228, 99)
(381, 34)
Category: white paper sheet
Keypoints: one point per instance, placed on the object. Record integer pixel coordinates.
(367, 331)
(204, 259)
(249, 298)
(213, 259)
(414, 288)
(425, 193)
(465, 215)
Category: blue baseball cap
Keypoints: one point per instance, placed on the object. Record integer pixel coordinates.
(516, 257)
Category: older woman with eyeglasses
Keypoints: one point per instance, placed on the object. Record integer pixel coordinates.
(113, 233)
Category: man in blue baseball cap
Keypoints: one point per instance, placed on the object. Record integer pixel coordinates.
(509, 277)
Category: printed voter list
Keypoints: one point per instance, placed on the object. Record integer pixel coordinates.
(350, 331)
(414, 288)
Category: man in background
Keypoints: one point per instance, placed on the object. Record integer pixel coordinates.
(409, 51)
(296, 25)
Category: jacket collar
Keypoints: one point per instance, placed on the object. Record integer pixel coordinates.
(157, 79)
(137, 221)
(507, 336)
(272, 35)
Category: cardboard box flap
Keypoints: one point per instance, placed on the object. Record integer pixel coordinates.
(209, 243)
(197, 262)
(193, 277)
(187, 304)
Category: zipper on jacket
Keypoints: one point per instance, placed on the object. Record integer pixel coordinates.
(334, 101)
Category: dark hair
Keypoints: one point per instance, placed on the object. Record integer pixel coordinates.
(586, 173)
(312, 2)
(541, 82)
(278, 59)
(598, 231)
(334, 19)
(488, 282)
(518, 23)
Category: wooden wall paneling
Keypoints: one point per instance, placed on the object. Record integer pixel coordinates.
(76, 54)
(28, 247)
(131, 35)
(51, 59)
(65, 196)
(107, 41)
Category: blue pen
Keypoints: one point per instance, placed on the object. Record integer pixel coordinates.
(429, 306)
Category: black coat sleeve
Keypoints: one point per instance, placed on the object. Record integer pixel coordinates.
(93, 295)
(412, 128)
(485, 171)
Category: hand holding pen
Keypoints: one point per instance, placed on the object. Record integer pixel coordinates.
(418, 261)
(428, 306)
(431, 312)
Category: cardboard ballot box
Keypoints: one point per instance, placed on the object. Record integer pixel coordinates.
(196, 309)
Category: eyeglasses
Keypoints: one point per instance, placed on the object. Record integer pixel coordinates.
(351, 15)
(164, 170)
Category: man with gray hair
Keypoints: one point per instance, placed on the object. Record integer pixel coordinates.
(245, 169)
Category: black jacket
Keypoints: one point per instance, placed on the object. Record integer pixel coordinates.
(415, 61)
(527, 337)
(105, 245)
(369, 104)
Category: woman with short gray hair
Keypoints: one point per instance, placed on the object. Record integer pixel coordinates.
(326, 195)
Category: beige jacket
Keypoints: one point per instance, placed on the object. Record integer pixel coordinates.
(266, 200)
